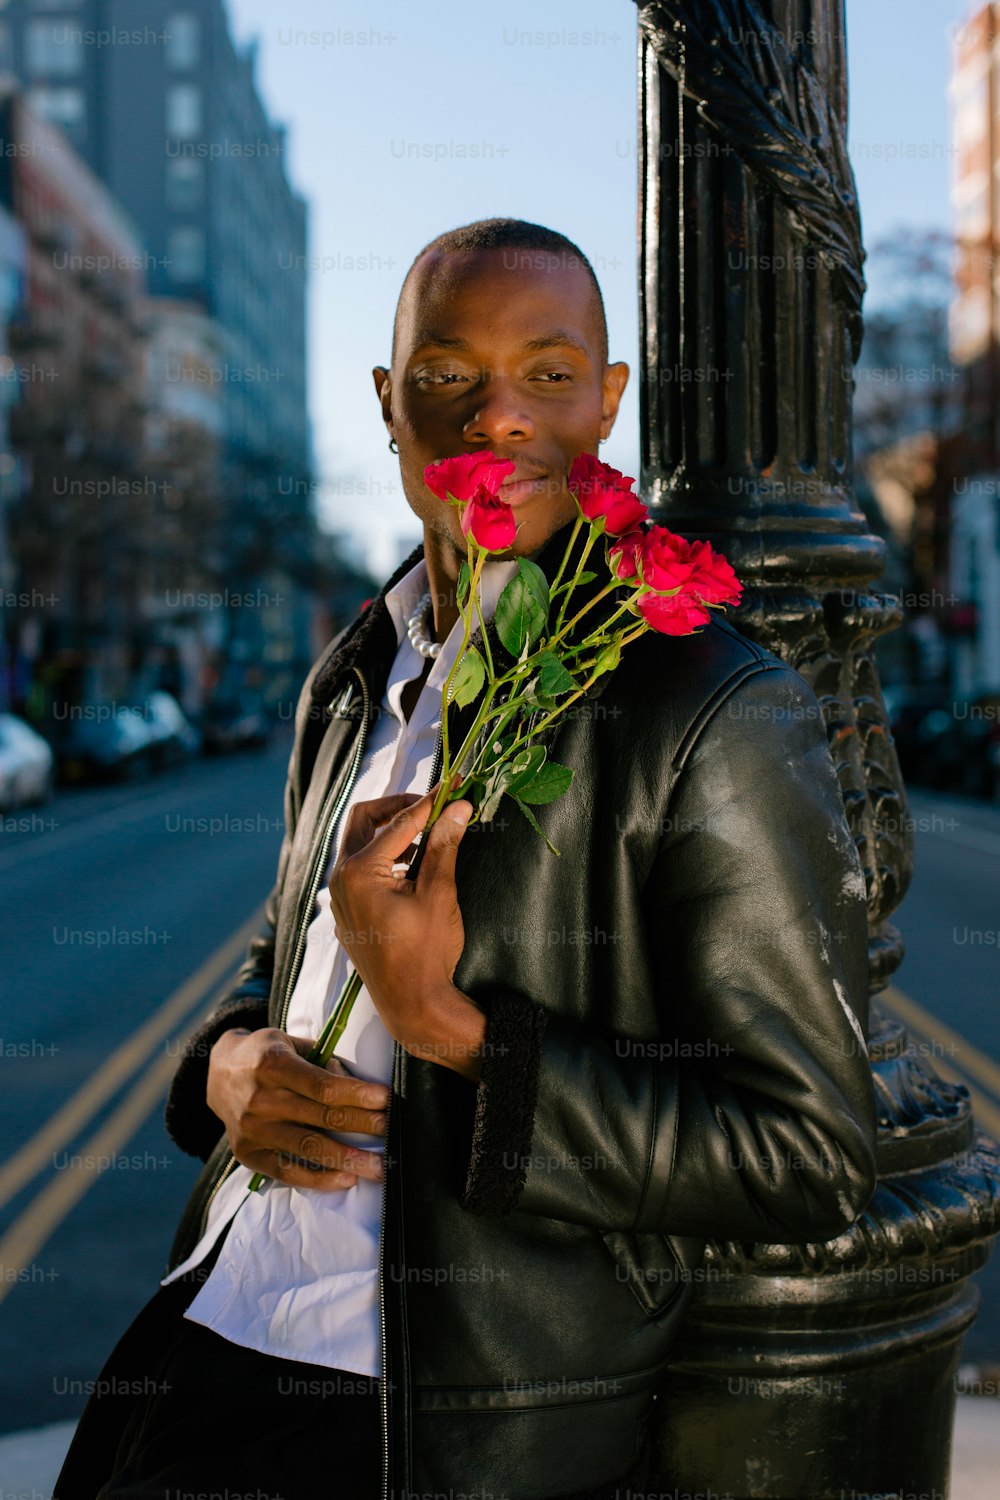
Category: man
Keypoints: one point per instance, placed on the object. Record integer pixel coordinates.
(578, 1068)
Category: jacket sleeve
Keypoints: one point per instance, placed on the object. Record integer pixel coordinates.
(752, 1116)
(189, 1121)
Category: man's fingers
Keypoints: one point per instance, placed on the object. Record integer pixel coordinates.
(330, 1085)
(347, 1117)
(366, 818)
(281, 1168)
(440, 856)
(300, 1145)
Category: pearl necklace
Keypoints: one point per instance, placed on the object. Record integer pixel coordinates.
(419, 639)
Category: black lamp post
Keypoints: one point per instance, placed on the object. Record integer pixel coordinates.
(823, 1370)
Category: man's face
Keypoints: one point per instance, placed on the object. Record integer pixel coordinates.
(466, 379)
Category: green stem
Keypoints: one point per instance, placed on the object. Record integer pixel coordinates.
(520, 742)
(605, 625)
(479, 610)
(565, 557)
(579, 569)
(563, 630)
(466, 632)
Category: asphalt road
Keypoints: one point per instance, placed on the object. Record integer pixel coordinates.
(106, 915)
(950, 921)
(112, 902)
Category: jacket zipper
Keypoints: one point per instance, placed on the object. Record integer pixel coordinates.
(384, 1390)
(329, 814)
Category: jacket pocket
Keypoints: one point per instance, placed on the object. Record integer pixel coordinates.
(656, 1267)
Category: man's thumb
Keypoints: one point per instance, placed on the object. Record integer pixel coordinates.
(444, 839)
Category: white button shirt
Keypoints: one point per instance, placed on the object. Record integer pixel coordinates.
(297, 1275)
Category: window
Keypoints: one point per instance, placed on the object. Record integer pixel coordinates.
(63, 107)
(181, 41)
(54, 48)
(186, 254)
(185, 182)
(183, 110)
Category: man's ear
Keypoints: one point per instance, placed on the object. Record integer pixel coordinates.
(615, 381)
(383, 389)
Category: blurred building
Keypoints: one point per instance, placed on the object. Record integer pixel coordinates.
(165, 110)
(974, 339)
(975, 576)
(13, 246)
(184, 434)
(974, 325)
(79, 523)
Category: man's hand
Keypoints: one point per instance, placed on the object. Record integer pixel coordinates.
(405, 937)
(275, 1106)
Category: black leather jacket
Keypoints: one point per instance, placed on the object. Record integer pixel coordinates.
(674, 1052)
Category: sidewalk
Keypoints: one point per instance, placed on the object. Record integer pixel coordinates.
(30, 1461)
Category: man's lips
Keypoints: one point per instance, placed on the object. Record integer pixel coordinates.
(518, 488)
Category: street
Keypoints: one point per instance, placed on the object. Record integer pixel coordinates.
(107, 914)
(127, 911)
(950, 921)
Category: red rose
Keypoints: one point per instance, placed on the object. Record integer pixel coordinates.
(586, 468)
(601, 490)
(683, 576)
(462, 476)
(490, 520)
(669, 561)
(622, 555)
(676, 614)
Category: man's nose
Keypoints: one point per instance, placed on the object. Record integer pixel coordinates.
(499, 414)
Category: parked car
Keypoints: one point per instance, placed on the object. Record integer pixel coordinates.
(235, 721)
(951, 744)
(103, 743)
(172, 737)
(922, 721)
(977, 740)
(27, 765)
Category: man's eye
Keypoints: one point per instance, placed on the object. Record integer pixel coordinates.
(552, 376)
(439, 377)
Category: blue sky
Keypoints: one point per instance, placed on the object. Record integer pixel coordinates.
(414, 119)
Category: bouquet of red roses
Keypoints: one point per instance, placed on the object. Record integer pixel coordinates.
(655, 580)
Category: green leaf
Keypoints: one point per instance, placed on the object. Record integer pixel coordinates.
(536, 581)
(525, 767)
(464, 579)
(520, 616)
(553, 676)
(551, 782)
(585, 577)
(469, 677)
(534, 698)
(535, 823)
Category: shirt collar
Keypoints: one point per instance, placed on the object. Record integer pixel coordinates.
(401, 600)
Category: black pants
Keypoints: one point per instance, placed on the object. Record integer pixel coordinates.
(179, 1408)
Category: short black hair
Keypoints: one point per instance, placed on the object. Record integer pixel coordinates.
(510, 234)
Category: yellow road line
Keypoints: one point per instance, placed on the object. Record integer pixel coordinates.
(74, 1115)
(974, 1063)
(46, 1212)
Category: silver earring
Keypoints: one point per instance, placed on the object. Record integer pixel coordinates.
(392, 446)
